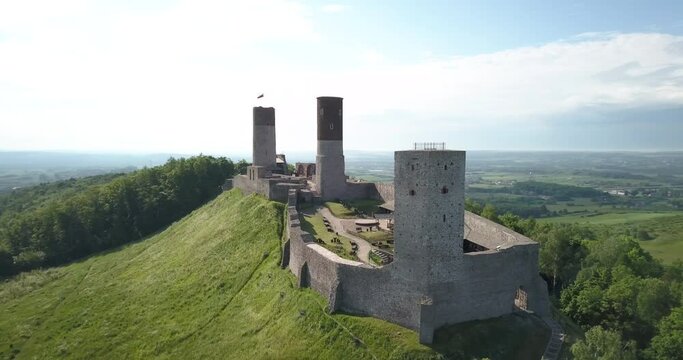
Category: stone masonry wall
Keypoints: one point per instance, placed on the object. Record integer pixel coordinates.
(348, 285)
(385, 191)
(360, 190)
(482, 285)
(276, 189)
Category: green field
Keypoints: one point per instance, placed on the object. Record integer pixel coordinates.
(368, 206)
(611, 218)
(667, 242)
(339, 210)
(665, 228)
(210, 286)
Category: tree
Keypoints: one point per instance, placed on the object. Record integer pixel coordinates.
(242, 167)
(511, 221)
(473, 206)
(101, 215)
(654, 300)
(6, 262)
(668, 343)
(560, 254)
(489, 212)
(623, 250)
(601, 344)
(583, 302)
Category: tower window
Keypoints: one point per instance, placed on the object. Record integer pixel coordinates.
(445, 167)
(444, 190)
(444, 218)
(331, 126)
(411, 192)
(412, 167)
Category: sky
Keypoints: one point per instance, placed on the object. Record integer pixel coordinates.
(183, 76)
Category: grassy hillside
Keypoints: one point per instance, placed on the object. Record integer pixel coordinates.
(667, 242)
(209, 286)
(665, 228)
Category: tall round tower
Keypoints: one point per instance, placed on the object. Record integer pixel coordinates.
(329, 177)
(264, 138)
(429, 214)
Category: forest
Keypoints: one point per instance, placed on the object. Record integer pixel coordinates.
(55, 223)
(628, 303)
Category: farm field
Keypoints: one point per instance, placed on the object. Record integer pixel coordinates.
(611, 218)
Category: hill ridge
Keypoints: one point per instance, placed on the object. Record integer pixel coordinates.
(208, 286)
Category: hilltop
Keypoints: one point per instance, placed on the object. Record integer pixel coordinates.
(210, 286)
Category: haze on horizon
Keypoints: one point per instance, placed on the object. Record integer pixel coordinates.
(182, 76)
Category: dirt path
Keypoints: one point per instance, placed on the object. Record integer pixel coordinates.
(364, 247)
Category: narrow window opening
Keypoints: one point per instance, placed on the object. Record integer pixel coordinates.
(445, 167)
(444, 190)
(444, 218)
(521, 301)
(412, 167)
(331, 126)
(411, 192)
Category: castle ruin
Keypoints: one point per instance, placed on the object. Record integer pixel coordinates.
(450, 265)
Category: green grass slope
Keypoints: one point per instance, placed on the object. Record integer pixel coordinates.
(667, 242)
(209, 286)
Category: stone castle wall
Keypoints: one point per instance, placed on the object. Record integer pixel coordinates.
(483, 286)
(385, 191)
(360, 190)
(348, 285)
(276, 188)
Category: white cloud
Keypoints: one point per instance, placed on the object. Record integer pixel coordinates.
(334, 8)
(529, 82)
(183, 78)
(529, 86)
(372, 57)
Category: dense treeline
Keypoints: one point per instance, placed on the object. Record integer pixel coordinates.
(29, 198)
(629, 303)
(524, 206)
(558, 192)
(529, 198)
(70, 225)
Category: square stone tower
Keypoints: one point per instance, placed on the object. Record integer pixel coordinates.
(429, 214)
(263, 150)
(330, 178)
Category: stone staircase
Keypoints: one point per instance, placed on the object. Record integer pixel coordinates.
(385, 256)
(552, 350)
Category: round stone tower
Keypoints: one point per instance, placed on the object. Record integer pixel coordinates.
(429, 214)
(264, 138)
(329, 177)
